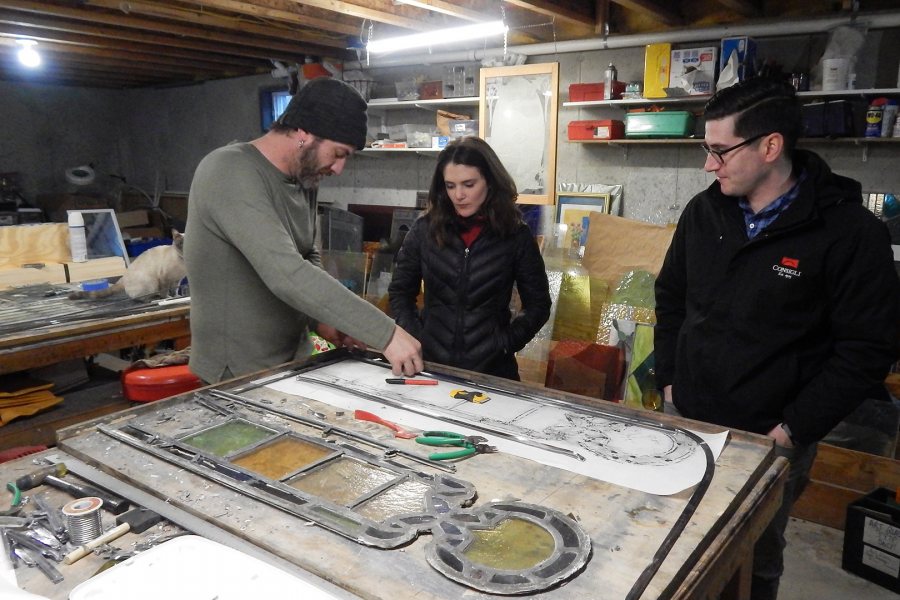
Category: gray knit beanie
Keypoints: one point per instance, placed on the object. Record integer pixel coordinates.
(329, 109)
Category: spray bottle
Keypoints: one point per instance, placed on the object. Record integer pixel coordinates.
(77, 238)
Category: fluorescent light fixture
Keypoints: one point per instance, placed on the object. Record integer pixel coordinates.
(28, 56)
(441, 36)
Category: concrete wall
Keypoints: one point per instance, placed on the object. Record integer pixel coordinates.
(156, 137)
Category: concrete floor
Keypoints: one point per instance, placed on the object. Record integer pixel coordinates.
(812, 567)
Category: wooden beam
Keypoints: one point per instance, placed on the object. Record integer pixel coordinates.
(556, 12)
(91, 42)
(263, 12)
(354, 10)
(657, 12)
(745, 8)
(451, 9)
(206, 19)
(130, 28)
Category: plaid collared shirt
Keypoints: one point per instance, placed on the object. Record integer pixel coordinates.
(756, 222)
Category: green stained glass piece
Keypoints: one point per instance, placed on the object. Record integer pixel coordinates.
(344, 523)
(228, 437)
(513, 545)
(281, 457)
(342, 481)
(404, 498)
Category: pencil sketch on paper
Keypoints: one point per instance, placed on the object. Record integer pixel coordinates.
(626, 442)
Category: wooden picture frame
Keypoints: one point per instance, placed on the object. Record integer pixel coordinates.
(518, 118)
(574, 210)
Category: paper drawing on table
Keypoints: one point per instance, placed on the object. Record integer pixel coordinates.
(620, 450)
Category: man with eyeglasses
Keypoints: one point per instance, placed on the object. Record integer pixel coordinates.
(778, 306)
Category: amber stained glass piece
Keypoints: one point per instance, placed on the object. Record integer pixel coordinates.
(282, 457)
(513, 545)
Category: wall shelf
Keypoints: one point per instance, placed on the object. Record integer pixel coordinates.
(394, 104)
(638, 102)
(858, 141)
(702, 99)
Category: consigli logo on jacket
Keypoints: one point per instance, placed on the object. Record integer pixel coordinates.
(788, 267)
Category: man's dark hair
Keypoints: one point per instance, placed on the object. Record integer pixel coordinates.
(762, 105)
(501, 214)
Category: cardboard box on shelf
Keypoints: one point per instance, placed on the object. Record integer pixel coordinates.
(132, 218)
(56, 205)
(694, 70)
(744, 50)
(657, 67)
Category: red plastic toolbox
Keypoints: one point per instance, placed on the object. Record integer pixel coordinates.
(596, 130)
(583, 92)
(146, 385)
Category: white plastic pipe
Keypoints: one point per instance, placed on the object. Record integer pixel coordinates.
(872, 20)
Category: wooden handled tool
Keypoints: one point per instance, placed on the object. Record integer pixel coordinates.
(137, 520)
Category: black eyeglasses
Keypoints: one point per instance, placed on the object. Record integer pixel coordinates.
(719, 155)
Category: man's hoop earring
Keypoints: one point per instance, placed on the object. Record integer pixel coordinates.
(300, 144)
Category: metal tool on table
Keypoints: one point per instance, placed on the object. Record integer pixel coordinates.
(51, 515)
(468, 444)
(32, 554)
(399, 432)
(50, 475)
(472, 396)
(137, 520)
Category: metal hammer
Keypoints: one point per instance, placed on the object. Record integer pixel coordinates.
(137, 520)
(50, 475)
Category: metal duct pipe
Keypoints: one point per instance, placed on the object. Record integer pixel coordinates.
(872, 20)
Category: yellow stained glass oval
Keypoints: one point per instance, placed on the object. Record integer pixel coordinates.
(513, 545)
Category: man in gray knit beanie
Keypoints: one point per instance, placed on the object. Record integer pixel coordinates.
(257, 286)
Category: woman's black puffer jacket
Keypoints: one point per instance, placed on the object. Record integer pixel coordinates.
(466, 320)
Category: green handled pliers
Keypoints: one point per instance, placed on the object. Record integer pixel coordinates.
(469, 445)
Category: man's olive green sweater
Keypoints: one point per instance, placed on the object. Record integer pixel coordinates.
(255, 275)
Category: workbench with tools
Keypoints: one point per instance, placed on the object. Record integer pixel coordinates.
(458, 497)
(41, 326)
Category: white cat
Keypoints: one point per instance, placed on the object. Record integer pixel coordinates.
(154, 273)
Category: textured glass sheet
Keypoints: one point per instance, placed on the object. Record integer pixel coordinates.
(405, 498)
(514, 545)
(228, 437)
(342, 481)
(282, 457)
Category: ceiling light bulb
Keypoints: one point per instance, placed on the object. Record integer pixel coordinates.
(28, 56)
(441, 36)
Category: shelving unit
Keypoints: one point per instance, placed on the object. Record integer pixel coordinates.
(394, 104)
(384, 105)
(699, 100)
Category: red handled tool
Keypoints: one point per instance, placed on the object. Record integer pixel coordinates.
(398, 431)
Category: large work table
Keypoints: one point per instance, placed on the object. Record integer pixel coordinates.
(39, 326)
(627, 527)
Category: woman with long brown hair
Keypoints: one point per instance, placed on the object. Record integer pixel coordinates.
(470, 248)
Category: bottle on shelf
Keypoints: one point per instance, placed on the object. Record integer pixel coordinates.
(609, 80)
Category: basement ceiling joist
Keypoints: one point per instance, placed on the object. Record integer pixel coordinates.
(138, 43)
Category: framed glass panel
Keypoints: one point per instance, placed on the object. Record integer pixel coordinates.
(517, 117)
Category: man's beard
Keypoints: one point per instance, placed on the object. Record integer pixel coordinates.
(306, 167)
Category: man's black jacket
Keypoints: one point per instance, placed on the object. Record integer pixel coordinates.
(797, 325)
